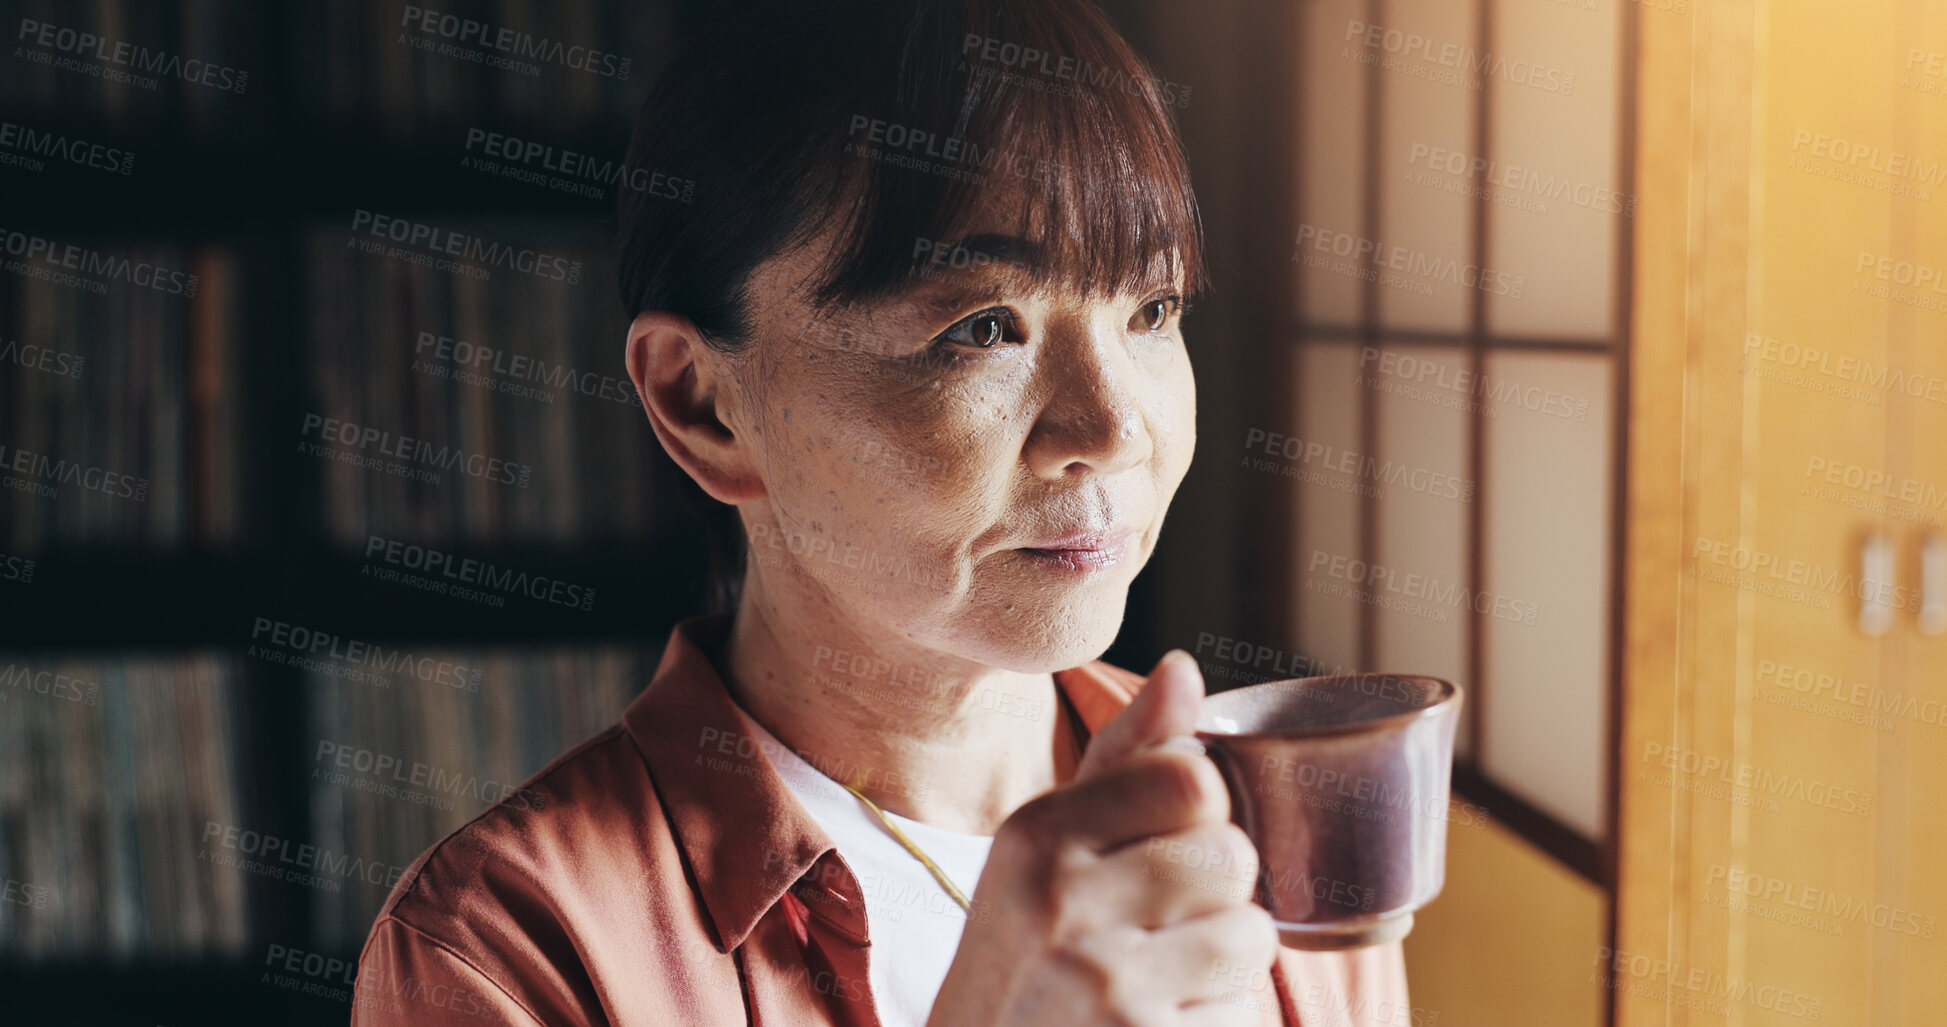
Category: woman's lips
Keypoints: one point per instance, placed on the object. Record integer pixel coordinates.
(1082, 550)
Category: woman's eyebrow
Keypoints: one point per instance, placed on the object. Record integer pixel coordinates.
(945, 269)
(949, 275)
(942, 300)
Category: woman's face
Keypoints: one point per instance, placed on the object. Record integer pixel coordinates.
(975, 466)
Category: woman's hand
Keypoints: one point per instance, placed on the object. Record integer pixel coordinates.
(1122, 898)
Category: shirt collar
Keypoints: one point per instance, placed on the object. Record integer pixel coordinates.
(746, 838)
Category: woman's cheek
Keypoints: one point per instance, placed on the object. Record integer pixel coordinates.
(882, 459)
(945, 431)
(1178, 400)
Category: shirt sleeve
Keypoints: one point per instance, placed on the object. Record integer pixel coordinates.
(408, 979)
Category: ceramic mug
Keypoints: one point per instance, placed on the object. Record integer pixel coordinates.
(1341, 782)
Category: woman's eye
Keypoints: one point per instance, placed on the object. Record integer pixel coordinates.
(1155, 314)
(984, 330)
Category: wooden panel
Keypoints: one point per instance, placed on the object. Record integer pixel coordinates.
(1507, 941)
(1658, 599)
(1910, 950)
(1777, 832)
(1815, 74)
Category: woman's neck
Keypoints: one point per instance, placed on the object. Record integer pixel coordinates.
(931, 737)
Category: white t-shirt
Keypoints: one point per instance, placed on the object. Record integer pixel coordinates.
(914, 924)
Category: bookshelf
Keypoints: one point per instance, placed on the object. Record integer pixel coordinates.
(186, 618)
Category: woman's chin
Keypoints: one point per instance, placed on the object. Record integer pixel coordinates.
(1030, 621)
(1060, 636)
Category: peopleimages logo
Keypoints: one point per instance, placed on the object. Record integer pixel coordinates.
(1525, 182)
(1455, 57)
(950, 156)
(399, 777)
(510, 43)
(43, 475)
(39, 254)
(16, 568)
(1768, 785)
(1419, 479)
(282, 859)
(325, 971)
(40, 358)
(1413, 585)
(1890, 163)
(1902, 272)
(392, 451)
(566, 170)
(1924, 71)
(1695, 987)
(1843, 371)
(475, 364)
(447, 242)
(438, 571)
(1797, 580)
(1393, 366)
(1417, 267)
(1869, 698)
(49, 683)
(58, 147)
(313, 647)
(88, 46)
(1822, 901)
(1016, 57)
(20, 893)
(1902, 281)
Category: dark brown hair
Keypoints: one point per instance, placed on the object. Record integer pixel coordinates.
(889, 122)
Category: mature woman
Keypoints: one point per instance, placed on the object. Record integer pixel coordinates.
(917, 339)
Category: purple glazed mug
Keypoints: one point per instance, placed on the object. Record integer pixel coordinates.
(1341, 782)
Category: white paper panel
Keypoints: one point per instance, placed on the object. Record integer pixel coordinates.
(1419, 467)
(1427, 124)
(1328, 518)
(1548, 504)
(1331, 156)
(1553, 82)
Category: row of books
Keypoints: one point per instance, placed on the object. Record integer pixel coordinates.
(125, 830)
(404, 70)
(111, 773)
(130, 67)
(483, 400)
(119, 398)
(477, 400)
(399, 765)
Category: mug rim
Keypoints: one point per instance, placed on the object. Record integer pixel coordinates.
(1449, 702)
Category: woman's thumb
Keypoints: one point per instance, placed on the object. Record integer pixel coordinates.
(1165, 707)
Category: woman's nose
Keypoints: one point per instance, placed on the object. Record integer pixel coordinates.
(1095, 414)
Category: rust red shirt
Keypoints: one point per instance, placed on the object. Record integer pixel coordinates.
(661, 874)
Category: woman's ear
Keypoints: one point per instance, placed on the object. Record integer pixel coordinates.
(685, 387)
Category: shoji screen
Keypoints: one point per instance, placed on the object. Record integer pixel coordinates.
(1463, 206)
